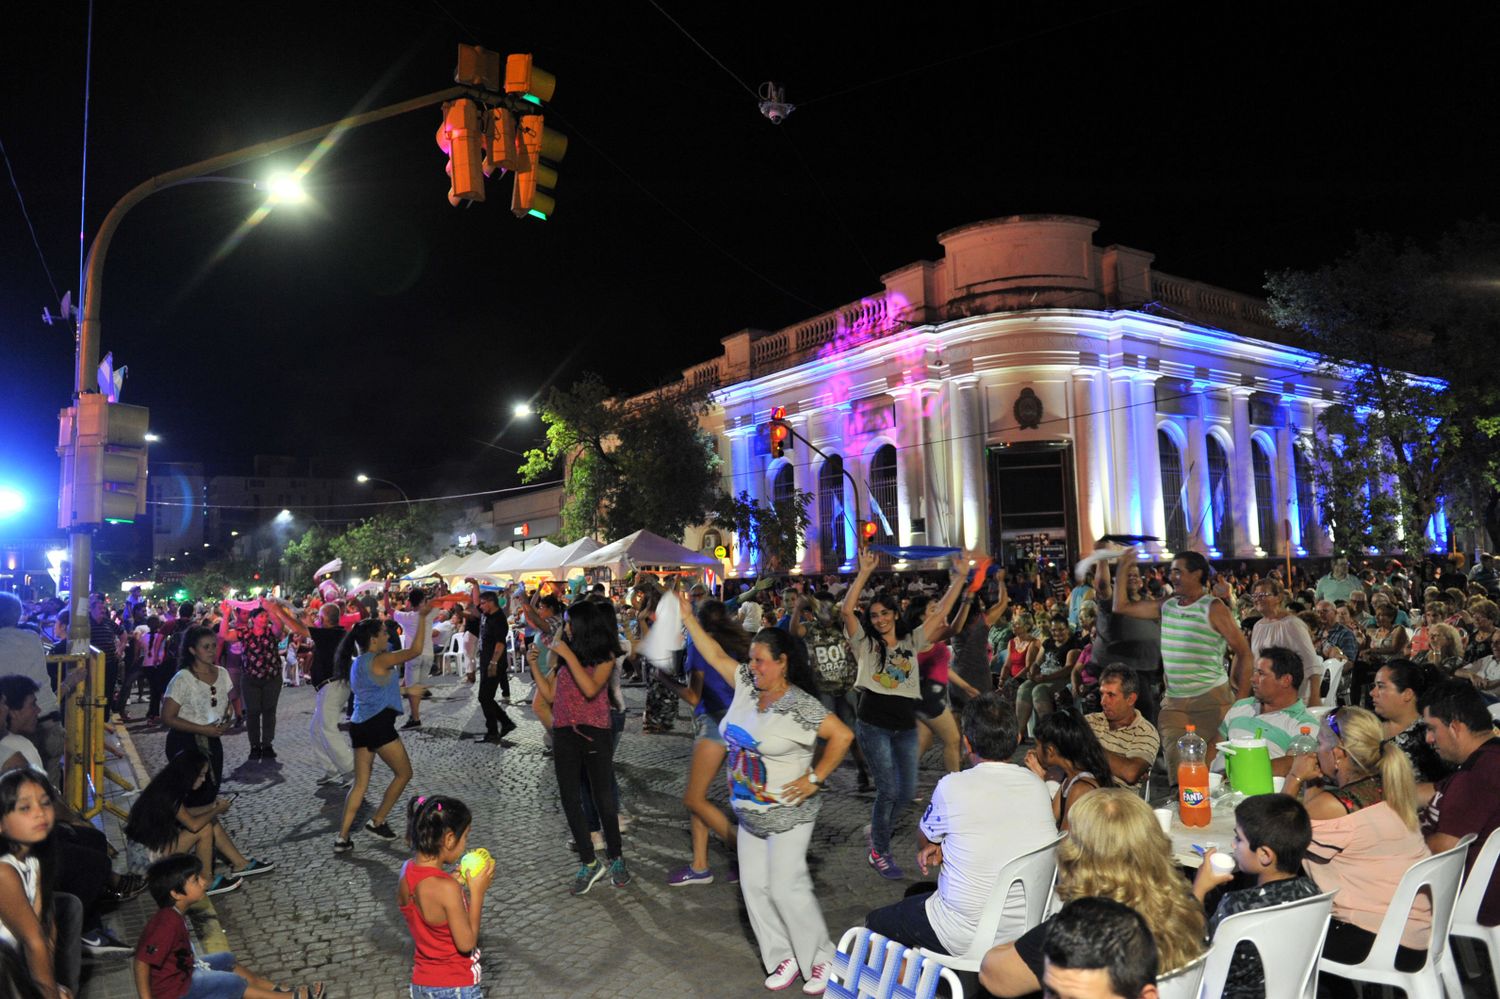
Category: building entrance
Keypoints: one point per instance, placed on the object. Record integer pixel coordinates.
(1033, 515)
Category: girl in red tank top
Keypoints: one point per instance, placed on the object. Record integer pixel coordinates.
(444, 923)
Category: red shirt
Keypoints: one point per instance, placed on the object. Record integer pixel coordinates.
(437, 962)
(1468, 801)
(167, 949)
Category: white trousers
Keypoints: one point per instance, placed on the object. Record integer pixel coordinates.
(778, 893)
(330, 746)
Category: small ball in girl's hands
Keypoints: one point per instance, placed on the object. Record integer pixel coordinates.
(473, 863)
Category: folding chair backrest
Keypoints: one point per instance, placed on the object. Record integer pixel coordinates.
(1035, 871)
(1183, 982)
(1477, 882)
(1288, 937)
(1440, 874)
(862, 968)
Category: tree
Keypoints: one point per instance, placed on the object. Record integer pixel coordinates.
(305, 555)
(627, 465)
(218, 577)
(776, 530)
(388, 543)
(1402, 326)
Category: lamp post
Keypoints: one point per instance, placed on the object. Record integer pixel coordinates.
(363, 478)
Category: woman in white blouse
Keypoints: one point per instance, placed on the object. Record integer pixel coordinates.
(771, 729)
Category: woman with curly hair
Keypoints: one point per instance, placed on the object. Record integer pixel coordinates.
(1114, 849)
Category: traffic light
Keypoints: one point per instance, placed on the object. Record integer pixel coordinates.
(781, 432)
(527, 81)
(478, 67)
(104, 479)
(867, 530)
(461, 138)
(532, 193)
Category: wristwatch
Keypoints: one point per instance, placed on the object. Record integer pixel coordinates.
(813, 778)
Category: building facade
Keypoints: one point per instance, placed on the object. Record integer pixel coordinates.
(1030, 392)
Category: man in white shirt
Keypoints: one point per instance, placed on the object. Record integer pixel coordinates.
(18, 713)
(977, 821)
(415, 670)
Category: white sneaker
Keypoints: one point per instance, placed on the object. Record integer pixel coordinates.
(784, 975)
(818, 982)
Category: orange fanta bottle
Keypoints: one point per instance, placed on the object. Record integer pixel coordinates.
(1192, 779)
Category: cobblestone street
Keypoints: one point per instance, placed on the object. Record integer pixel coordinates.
(334, 917)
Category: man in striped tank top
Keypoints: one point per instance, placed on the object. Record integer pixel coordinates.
(1196, 630)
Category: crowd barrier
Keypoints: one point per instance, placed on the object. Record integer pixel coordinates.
(85, 723)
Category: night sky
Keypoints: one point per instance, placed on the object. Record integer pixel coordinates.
(383, 330)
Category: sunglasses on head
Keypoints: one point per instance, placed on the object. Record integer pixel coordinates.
(1333, 725)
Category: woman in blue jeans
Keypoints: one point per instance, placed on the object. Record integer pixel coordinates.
(889, 685)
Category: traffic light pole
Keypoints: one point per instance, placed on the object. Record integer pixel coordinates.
(81, 537)
(853, 486)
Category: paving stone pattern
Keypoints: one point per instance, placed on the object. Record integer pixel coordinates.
(322, 916)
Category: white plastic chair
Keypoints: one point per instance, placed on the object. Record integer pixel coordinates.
(1333, 671)
(1035, 871)
(1495, 711)
(1289, 939)
(861, 967)
(921, 977)
(1440, 874)
(1466, 911)
(454, 653)
(1183, 982)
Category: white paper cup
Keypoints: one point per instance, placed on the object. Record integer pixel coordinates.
(1277, 783)
(1215, 781)
(1164, 817)
(1222, 863)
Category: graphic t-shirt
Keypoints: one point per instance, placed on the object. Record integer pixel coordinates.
(890, 677)
(768, 750)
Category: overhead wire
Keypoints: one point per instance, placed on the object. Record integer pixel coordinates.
(15, 185)
(346, 506)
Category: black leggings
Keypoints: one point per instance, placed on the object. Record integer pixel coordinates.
(580, 749)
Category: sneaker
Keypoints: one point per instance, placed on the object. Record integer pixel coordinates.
(815, 985)
(784, 975)
(223, 884)
(734, 872)
(102, 943)
(588, 875)
(128, 886)
(342, 845)
(330, 778)
(886, 866)
(493, 739)
(253, 867)
(383, 830)
(412, 723)
(255, 752)
(267, 752)
(619, 874)
(686, 875)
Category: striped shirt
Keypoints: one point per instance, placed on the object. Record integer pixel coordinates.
(1192, 650)
(1244, 720)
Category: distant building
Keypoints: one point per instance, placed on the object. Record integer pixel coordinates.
(524, 518)
(177, 492)
(1031, 392)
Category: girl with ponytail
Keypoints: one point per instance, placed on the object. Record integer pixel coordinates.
(1365, 836)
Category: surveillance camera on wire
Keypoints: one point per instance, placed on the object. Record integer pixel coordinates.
(773, 102)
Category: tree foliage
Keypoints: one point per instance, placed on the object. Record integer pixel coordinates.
(303, 556)
(776, 529)
(389, 543)
(640, 463)
(1405, 328)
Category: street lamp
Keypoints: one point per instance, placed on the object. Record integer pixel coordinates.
(12, 501)
(362, 478)
(522, 410)
(152, 438)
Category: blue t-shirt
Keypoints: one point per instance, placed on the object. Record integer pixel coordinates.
(717, 695)
(370, 695)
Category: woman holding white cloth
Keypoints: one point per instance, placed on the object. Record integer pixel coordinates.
(771, 729)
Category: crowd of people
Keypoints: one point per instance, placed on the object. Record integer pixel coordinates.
(1051, 701)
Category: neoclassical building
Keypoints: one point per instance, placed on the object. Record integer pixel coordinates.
(1030, 391)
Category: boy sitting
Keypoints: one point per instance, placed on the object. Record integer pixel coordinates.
(1271, 834)
(166, 966)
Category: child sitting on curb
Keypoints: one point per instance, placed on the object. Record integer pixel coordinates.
(166, 964)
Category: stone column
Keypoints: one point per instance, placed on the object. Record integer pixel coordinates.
(1147, 458)
(805, 478)
(746, 474)
(1091, 453)
(1125, 513)
(911, 465)
(941, 505)
(1321, 543)
(1242, 473)
(969, 432)
(1199, 519)
(1289, 527)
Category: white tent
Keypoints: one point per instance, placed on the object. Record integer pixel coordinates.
(470, 564)
(646, 549)
(503, 562)
(433, 568)
(541, 558)
(571, 554)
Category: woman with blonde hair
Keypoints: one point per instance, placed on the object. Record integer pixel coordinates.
(1446, 649)
(1365, 836)
(1114, 849)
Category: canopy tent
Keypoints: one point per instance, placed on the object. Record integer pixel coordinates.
(337, 565)
(470, 564)
(646, 549)
(569, 556)
(541, 558)
(437, 567)
(503, 562)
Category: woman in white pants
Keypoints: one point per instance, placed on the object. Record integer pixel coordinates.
(330, 747)
(771, 729)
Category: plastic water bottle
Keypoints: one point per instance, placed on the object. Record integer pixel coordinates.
(1192, 779)
(1303, 744)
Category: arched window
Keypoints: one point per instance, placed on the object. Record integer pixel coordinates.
(1265, 504)
(1219, 498)
(883, 491)
(1173, 497)
(831, 513)
(1307, 511)
(784, 485)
